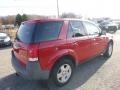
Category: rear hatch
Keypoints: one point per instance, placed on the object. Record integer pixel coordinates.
(30, 35)
(22, 41)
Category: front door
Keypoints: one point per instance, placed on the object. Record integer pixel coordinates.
(78, 40)
(97, 41)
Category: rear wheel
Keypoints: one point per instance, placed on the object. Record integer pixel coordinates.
(109, 50)
(62, 72)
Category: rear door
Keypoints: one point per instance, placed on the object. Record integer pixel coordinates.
(78, 40)
(97, 41)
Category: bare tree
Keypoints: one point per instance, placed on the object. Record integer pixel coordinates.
(11, 19)
(70, 15)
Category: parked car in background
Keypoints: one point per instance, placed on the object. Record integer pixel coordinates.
(109, 26)
(52, 48)
(4, 39)
(117, 22)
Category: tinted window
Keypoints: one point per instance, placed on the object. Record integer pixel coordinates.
(37, 32)
(91, 28)
(76, 29)
(47, 31)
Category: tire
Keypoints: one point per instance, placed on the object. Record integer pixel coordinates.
(62, 72)
(109, 50)
(115, 29)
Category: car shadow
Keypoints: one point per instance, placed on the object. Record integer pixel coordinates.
(82, 73)
(14, 82)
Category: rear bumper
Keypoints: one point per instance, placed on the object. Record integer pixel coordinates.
(32, 70)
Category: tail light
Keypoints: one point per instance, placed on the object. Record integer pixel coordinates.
(33, 54)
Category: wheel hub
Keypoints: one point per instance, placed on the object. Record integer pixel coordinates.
(64, 73)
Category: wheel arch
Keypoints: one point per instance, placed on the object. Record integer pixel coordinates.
(67, 56)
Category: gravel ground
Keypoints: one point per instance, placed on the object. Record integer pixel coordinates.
(97, 74)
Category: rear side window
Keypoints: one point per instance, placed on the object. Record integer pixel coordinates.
(47, 31)
(38, 32)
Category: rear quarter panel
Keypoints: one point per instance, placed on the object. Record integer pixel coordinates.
(50, 52)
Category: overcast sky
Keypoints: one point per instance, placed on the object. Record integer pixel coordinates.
(87, 8)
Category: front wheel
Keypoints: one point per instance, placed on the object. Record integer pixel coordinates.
(109, 50)
(62, 72)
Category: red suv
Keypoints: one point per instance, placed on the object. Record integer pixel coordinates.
(52, 48)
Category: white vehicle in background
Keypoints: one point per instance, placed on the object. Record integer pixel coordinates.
(4, 39)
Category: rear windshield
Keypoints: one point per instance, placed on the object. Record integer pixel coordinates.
(38, 32)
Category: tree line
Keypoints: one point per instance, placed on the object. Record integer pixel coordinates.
(17, 19)
(20, 19)
(12, 19)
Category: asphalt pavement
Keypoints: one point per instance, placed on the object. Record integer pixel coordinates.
(97, 74)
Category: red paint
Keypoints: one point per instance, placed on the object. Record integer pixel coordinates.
(81, 49)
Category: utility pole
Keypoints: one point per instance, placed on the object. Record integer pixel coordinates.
(57, 9)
